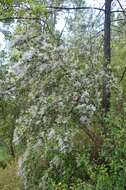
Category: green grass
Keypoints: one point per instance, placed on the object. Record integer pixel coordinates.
(3, 154)
(8, 175)
(8, 178)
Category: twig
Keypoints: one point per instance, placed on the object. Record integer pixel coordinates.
(123, 74)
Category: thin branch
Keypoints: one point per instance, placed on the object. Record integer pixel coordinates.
(118, 11)
(123, 74)
(61, 33)
(20, 18)
(100, 10)
(74, 8)
(98, 15)
(117, 20)
(97, 34)
(124, 12)
(117, 28)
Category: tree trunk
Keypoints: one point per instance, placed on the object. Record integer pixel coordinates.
(107, 56)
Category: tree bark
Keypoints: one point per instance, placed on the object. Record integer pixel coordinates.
(107, 56)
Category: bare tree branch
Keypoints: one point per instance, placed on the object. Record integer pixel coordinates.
(124, 11)
(74, 8)
(20, 18)
(118, 20)
(118, 11)
(97, 16)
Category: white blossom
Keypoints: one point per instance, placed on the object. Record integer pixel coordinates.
(84, 120)
(51, 134)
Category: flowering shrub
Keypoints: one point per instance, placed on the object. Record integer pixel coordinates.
(51, 92)
(59, 104)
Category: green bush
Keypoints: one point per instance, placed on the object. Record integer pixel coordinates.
(46, 167)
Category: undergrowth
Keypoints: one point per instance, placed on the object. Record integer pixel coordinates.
(9, 179)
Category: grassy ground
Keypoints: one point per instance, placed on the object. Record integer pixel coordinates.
(8, 178)
(3, 154)
(8, 175)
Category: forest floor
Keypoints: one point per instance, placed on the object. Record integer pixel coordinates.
(8, 178)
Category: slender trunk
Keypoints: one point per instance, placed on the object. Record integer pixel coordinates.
(12, 150)
(107, 56)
